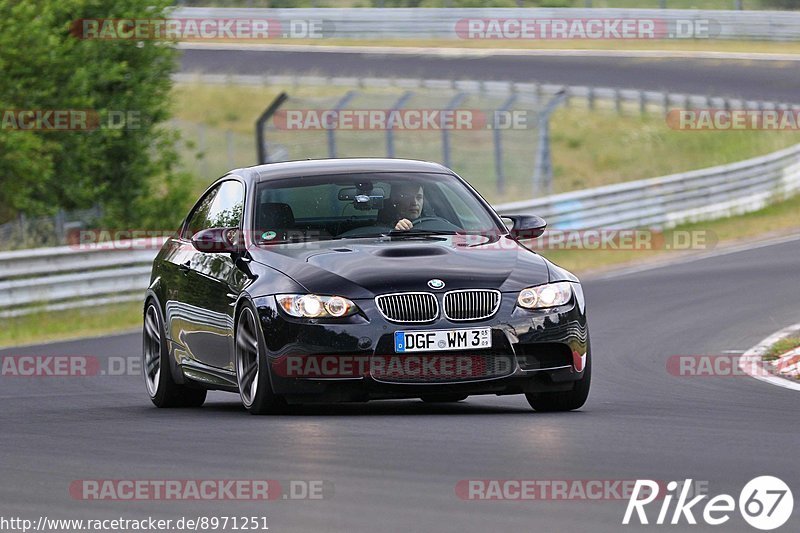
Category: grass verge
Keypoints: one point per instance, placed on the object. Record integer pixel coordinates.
(781, 347)
(70, 324)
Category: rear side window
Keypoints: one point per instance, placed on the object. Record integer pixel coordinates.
(221, 207)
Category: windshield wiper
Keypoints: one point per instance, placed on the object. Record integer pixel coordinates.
(364, 236)
(420, 232)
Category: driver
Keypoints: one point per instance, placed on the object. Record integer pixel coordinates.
(409, 200)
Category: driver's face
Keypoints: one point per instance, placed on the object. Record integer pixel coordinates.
(410, 202)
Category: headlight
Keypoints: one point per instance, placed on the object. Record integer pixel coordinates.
(543, 296)
(313, 306)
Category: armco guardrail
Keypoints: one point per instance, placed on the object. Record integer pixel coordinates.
(57, 277)
(64, 277)
(450, 23)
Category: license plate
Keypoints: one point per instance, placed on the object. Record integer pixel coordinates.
(441, 340)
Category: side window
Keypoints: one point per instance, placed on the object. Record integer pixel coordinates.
(199, 214)
(221, 207)
(226, 210)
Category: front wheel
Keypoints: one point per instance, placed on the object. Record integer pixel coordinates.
(564, 400)
(161, 386)
(252, 371)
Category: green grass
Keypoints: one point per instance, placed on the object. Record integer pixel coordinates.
(598, 148)
(781, 347)
(589, 147)
(70, 323)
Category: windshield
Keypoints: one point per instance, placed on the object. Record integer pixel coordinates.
(363, 205)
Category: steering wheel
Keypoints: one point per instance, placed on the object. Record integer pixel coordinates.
(421, 220)
(436, 224)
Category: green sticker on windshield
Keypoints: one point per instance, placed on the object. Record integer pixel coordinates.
(268, 235)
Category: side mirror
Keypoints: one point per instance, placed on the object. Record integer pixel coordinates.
(218, 240)
(526, 226)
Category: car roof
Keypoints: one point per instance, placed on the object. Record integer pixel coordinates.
(316, 167)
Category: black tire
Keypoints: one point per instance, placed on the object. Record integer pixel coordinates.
(159, 382)
(564, 400)
(444, 398)
(260, 399)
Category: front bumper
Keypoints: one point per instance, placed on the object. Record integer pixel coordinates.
(349, 359)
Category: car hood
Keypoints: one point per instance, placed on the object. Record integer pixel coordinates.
(366, 267)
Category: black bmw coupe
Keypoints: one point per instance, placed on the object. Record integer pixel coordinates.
(356, 279)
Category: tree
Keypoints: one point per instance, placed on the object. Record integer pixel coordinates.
(129, 171)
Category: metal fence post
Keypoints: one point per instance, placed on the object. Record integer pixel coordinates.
(389, 133)
(59, 226)
(331, 131)
(498, 144)
(261, 145)
(543, 169)
(451, 105)
(22, 227)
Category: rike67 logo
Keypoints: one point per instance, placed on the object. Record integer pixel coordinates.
(765, 502)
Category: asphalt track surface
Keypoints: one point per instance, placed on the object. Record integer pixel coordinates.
(394, 465)
(756, 80)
